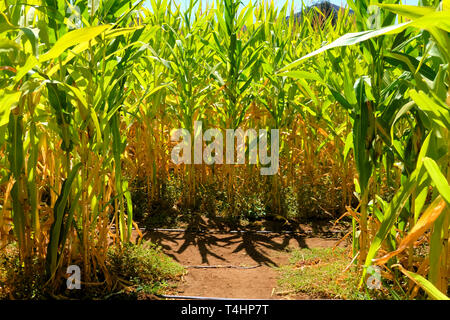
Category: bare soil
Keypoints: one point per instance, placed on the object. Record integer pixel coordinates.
(264, 252)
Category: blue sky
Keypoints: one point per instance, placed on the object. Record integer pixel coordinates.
(280, 3)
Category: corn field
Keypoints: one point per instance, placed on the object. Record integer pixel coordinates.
(90, 91)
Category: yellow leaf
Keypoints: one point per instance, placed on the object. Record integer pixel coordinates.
(73, 38)
(423, 224)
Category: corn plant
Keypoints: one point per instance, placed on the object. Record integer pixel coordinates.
(376, 104)
(91, 90)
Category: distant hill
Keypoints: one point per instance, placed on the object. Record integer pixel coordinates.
(326, 7)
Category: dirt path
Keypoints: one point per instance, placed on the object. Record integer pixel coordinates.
(265, 251)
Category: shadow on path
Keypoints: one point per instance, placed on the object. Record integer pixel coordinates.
(256, 246)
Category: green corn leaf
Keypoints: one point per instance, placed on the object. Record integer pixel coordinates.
(6, 44)
(438, 112)
(436, 246)
(434, 20)
(409, 63)
(71, 39)
(426, 285)
(16, 163)
(411, 12)
(348, 145)
(7, 100)
(59, 211)
(348, 40)
(66, 227)
(391, 214)
(301, 75)
(438, 178)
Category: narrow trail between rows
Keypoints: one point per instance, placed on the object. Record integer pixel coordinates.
(232, 265)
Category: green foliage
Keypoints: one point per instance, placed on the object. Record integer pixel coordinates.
(87, 107)
(143, 264)
(15, 281)
(379, 101)
(318, 272)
